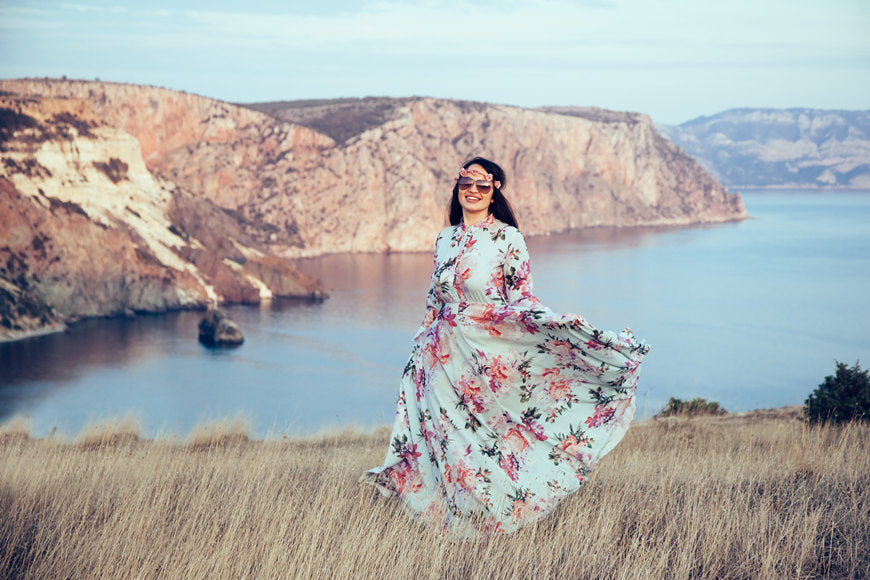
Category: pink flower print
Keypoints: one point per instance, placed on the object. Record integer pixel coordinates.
(602, 415)
(509, 465)
(470, 390)
(497, 369)
(484, 317)
(535, 429)
(551, 372)
(461, 475)
(522, 278)
(413, 483)
(594, 345)
(449, 318)
(419, 383)
(404, 478)
(410, 452)
(501, 422)
(572, 446)
(512, 254)
(519, 509)
(460, 278)
(496, 284)
(515, 440)
(487, 320)
(397, 480)
(528, 322)
(443, 349)
(559, 390)
(561, 349)
(494, 527)
(498, 373)
(431, 315)
(430, 355)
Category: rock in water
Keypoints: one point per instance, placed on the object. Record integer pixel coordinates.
(216, 329)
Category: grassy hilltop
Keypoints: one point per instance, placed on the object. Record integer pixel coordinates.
(738, 496)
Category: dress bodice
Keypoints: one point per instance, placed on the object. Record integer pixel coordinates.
(487, 262)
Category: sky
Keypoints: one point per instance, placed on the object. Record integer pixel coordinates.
(672, 59)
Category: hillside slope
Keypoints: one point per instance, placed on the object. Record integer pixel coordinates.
(86, 230)
(785, 148)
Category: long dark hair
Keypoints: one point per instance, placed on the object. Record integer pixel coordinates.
(500, 207)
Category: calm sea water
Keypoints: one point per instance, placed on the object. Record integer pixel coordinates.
(750, 314)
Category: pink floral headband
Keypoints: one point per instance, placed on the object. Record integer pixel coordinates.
(463, 172)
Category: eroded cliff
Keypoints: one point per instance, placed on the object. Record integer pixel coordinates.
(383, 185)
(88, 230)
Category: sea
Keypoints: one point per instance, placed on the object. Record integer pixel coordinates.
(750, 314)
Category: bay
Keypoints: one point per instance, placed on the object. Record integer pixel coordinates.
(750, 314)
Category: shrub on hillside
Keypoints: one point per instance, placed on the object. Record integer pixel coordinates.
(696, 406)
(842, 397)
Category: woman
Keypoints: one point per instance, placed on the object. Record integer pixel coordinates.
(504, 407)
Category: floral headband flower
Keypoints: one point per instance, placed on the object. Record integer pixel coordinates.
(463, 172)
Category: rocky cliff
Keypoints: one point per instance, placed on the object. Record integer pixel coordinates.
(87, 230)
(783, 148)
(375, 175)
(180, 198)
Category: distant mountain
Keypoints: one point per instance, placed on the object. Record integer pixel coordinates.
(799, 148)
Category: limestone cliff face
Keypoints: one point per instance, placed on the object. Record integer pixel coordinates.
(382, 183)
(87, 230)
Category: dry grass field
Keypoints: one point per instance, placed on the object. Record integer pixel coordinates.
(757, 495)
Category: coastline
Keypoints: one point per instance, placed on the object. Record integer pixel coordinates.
(16, 335)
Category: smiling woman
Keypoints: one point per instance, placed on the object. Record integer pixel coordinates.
(504, 406)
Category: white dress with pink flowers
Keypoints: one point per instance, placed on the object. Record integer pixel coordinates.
(504, 406)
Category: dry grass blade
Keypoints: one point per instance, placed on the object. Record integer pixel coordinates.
(110, 434)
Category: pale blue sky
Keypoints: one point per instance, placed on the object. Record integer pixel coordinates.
(672, 59)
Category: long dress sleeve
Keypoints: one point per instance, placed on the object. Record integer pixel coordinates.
(516, 271)
(433, 302)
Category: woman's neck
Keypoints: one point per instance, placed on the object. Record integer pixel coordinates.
(471, 219)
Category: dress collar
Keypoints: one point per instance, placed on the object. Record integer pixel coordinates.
(481, 224)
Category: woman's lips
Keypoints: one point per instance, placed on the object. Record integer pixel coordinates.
(472, 198)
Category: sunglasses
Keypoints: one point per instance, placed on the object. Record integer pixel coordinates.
(483, 187)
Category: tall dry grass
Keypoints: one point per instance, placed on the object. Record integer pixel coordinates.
(726, 497)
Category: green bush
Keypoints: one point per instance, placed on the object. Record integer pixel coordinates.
(843, 397)
(696, 406)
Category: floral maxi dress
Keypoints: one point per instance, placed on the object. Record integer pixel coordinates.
(504, 407)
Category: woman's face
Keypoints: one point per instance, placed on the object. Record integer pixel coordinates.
(471, 200)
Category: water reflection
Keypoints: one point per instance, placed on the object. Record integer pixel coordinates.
(751, 314)
(113, 343)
